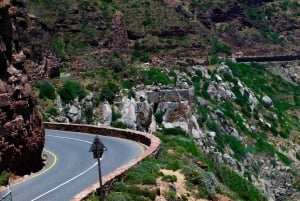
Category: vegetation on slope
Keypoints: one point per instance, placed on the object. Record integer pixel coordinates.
(181, 153)
(159, 33)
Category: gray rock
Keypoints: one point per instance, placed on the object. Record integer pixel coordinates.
(268, 101)
(128, 112)
(87, 102)
(143, 115)
(153, 125)
(220, 90)
(224, 69)
(212, 134)
(203, 71)
(253, 101)
(219, 114)
(252, 129)
(74, 113)
(106, 114)
(202, 101)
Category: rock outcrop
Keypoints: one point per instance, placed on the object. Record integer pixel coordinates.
(21, 128)
(119, 38)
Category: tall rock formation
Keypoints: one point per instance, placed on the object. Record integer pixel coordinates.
(119, 38)
(22, 134)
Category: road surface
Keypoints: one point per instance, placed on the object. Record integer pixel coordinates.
(71, 168)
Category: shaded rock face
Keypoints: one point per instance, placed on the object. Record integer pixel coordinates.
(22, 134)
(39, 60)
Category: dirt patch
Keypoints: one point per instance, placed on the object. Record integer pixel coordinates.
(177, 186)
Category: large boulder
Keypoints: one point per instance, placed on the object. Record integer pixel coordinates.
(128, 112)
(106, 114)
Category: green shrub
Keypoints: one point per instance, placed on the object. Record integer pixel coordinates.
(131, 93)
(144, 173)
(140, 56)
(220, 47)
(169, 178)
(135, 192)
(45, 117)
(115, 115)
(118, 124)
(103, 73)
(237, 184)
(174, 75)
(206, 181)
(107, 1)
(173, 164)
(204, 92)
(284, 134)
(182, 144)
(193, 175)
(174, 131)
(170, 195)
(214, 59)
(155, 76)
(286, 160)
(116, 62)
(263, 146)
(127, 84)
(89, 116)
(46, 91)
(298, 156)
(71, 90)
(141, 192)
(52, 111)
(4, 177)
(159, 117)
(109, 92)
(146, 22)
(59, 47)
(199, 73)
(117, 197)
(213, 126)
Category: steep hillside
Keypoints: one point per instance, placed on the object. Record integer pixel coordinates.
(172, 32)
(166, 67)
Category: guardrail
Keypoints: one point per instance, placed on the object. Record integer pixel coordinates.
(267, 58)
(151, 141)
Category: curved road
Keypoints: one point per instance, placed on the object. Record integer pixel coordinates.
(72, 168)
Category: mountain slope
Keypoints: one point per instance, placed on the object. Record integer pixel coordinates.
(157, 65)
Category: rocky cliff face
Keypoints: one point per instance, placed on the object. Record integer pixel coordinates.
(21, 127)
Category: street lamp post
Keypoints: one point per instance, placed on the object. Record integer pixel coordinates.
(98, 148)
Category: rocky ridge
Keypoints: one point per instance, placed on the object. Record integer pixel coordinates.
(21, 126)
(156, 107)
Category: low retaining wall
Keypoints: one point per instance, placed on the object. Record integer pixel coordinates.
(151, 141)
(267, 58)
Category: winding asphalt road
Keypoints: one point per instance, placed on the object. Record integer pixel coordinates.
(71, 167)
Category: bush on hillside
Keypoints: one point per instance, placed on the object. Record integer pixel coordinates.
(47, 91)
(155, 76)
(71, 90)
(4, 177)
(109, 92)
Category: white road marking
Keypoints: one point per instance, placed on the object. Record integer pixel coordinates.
(53, 189)
(73, 178)
(70, 138)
